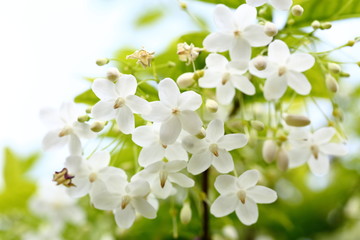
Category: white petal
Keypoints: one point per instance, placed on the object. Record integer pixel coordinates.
(215, 130)
(126, 85)
(82, 187)
(210, 79)
(170, 130)
(99, 160)
(69, 112)
(104, 89)
(256, 3)
(224, 205)
(274, 87)
(300, 62)
(83, 130)
(218, 42)
(199, 162)
(137, 104)
(278, 52)
(225, 184)
(240, 50)
(225, 93)
(261, 194)
(298, 156)
(323, 135)
(224, 162)
(224, 18)
(256, 36)
(114, 178)
(189, 100)
(335, 149)
(159, 112)
(151, 154)
(144, 136)
(125, 217)
(74, 164)
(176, 152)
(232, 141)
(161, 192)
(216, 61)
(102, 199)
(52, 140)
(190, 122)
(247, 213)
(243, 84)
(169, 92)
(181, 180)
(138, 188)
(193, 144)
(319, 166)
(245, 15)
(125, 120)
(281, 4)
(103, 111)
(51, 117)
(298, 82)
(75, 147)
(270, 69)
(175, 166)
(248, 179)
(144, 208)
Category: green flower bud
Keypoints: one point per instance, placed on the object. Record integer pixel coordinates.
(185, 213)
(102, 61)
(315, 24)
(297, 120)
(97, 126)
(331, 83)
(211, 105)
(334, 68)
(297, 10)
(83, 118)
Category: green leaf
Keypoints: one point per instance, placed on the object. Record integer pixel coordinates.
(87, 97)
(149, 18)
(229, 3)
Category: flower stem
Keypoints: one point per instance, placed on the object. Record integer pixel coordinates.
(206, 217)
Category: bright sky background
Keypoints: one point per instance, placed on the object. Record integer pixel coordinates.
(48, 46)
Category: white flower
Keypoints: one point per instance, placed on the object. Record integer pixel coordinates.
(213, 149)
(125, 201)
(284, 69)
(241, 195)
(278, 4)
(226, 76)
(88, 173)
(118, 101)
(175, 111)
(65, 128)
(237, 32)
(154, 149)
(314, 148)
(161, 176)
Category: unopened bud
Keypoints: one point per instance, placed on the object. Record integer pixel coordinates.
(269, 151)
(211, 105)
(260, 63)
(270, 29)
(297, 120)
(201, 134)
(257, 125)
(113, 74)
(331, 83)
(185, 213)
(83, 118)
(337, 113)
(88, 110)
(183, 5)
(315, 24)
(350, 43)
(102, 61)
(297, 10)
(334, 68)
(198, 74)
(344, 74)
(358, 63)
(283, 160)
(185, 80)
(97, 126)
(326, 25)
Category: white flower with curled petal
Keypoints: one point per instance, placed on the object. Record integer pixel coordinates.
(213, 149)
(125, 201)
(241, 195)
(175, 111)
(88, 173)
(314, 148)
(226, 76)
(278, 4)
(65, 128)
(284, 69)
(118, 101)
(238, 32)
(153, 149)
(162, 175)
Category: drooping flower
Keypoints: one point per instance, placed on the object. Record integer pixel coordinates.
(226, 76)
(154, 149)
(237, 32)
(278, 4)
(118, 101)
(213, 149)
(65, 128)
(144, 57)
(175, 111)
(241, 195)
(314, 148)
(187, 53)
(162, 175)
(284, 69)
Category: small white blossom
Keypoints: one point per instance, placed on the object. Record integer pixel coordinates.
(187, 53)
(314, 148)
(175, 111)
(278, 4)
(226, 76)
(118, 101)
(213, 149)
(238, 32)
(241, 195)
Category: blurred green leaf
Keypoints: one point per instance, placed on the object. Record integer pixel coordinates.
(149, 17)
(229, 3)
(87, 97)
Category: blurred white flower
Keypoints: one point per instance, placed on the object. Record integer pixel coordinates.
(278, 4)
(187, 53)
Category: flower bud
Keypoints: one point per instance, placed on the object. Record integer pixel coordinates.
(270, 29)
(331, 83)
(185, 213)
(283, 160)
(269, 151)
(88, 110)
(211, 105)
(83, 118)
(326, 25)
(344, 74)
(315, 24)
(297, 120)
(97, 126)
(260, 63)
(297, 10)
(198, 74)
(358, 63)
(113, 74)
(201, 134)
(102, 61)
(257, 125)
(185, 80)
(337, 113)
(183, 5)
(171, 64)
(334, 68)
(350, 43)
